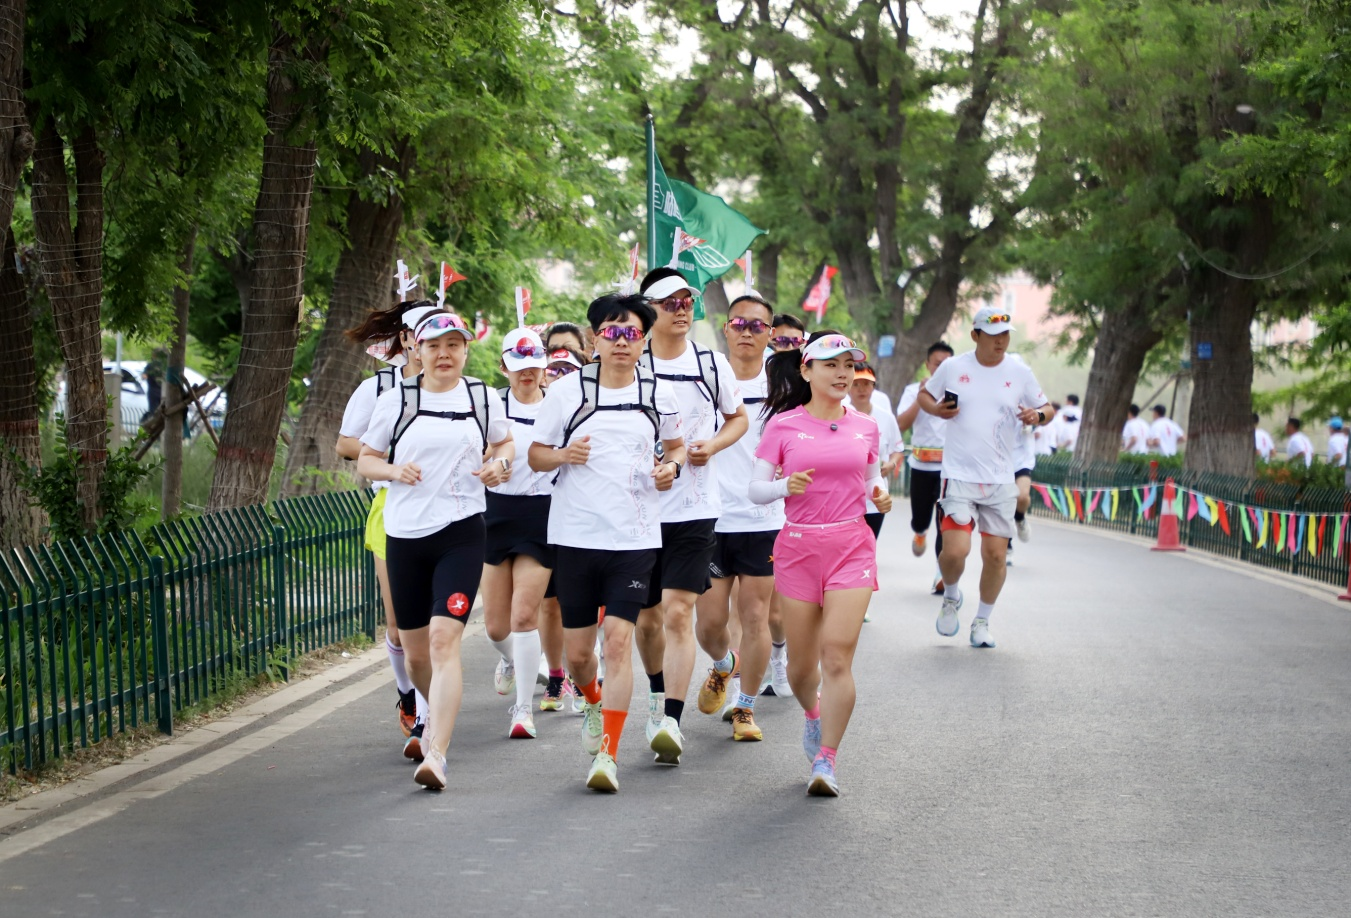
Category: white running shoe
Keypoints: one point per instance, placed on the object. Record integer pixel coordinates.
(733, 690)
(1024, 527)
(778, 677)
(577, 703)
(604, 775)
(980, 633)
(592, 727)
(656, 710)
(522, 723)
(948, 623)
(431, 771)
(668, 744)
(504, 677)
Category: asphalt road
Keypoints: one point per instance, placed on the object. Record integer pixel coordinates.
(1152, 736)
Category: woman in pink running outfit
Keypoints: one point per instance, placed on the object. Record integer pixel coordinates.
(825, 558)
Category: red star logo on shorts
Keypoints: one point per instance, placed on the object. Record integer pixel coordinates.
(457, 604)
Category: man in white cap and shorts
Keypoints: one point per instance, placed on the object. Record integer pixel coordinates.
(986, 398)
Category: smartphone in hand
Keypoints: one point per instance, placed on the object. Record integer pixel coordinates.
(949, 398)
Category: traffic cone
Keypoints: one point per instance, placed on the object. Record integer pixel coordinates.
(1168, 535)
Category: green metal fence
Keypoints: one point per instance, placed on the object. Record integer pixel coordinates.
(1327, 567)
(106, 634)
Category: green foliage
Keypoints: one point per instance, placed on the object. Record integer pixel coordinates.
(1294, 471)
(53, 487)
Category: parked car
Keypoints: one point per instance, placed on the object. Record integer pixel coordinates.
(135, 397)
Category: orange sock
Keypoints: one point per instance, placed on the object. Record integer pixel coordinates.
(614, 725)
(591, 691)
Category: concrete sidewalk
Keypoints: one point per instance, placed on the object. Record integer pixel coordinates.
(1153, 736)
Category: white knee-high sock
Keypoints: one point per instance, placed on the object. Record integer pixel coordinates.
(503, 647)
(400, 670)
(421, 707)
(526, 650)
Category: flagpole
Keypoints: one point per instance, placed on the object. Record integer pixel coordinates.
(651, 179)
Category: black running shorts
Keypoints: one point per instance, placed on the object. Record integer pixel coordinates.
(437, 574)
(743, 554)
(518, 524)
(682, 564)
(588, 578)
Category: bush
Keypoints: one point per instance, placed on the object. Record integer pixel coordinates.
(1318, 475)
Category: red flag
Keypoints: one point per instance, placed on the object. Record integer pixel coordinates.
(449, 276)
(819, 295)
(480, 325)
(1224, 518)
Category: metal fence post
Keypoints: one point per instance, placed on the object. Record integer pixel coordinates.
(279, 597)
(159, 623)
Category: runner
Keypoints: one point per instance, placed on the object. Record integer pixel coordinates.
(598, 428)
(1164, 433)
(705, 386)
(1337, 442)
(926, 461)
(1262, 440)
(1298, 446)
(745, 533)
(558, 690)
(865, 399)
(1024, 461)
(565, 335)
(390, 331)
(436, 429)
(826, 555)
(986, 398)
(1136, 432)
(519, 559)
(788, 334)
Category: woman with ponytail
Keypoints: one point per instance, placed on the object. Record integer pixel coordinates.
(389, 334)
(825, 558)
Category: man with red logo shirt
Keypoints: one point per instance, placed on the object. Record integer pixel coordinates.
(986, 400)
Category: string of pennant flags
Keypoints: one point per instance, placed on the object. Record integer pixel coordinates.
(1316, 533)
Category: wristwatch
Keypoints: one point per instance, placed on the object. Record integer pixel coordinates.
(506, 463)
(1041, 418)
(677, 466)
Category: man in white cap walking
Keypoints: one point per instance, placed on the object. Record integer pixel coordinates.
(986, 399)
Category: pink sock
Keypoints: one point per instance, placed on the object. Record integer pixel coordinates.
(829, 752)
(556, 674)
(815, 712)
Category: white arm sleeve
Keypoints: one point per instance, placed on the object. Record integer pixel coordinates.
(764, 489)
(874, 478)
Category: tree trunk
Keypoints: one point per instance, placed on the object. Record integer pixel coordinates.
(71, 260)
(767, 273)
(1124, 341)
(271, 318)
(930, 324)
(360, 284)
(176, 400)
(21, 521)
(1219, 430)
(16, 140)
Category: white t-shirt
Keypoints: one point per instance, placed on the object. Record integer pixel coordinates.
(735, 465)
(1337, 447)
(356, 417)
(1137, 428)
(926, 431)
(695, 494)
(447, 451)
(1264, 444)
(1166, 431)
(1299, 445)
(889, 435)
(1043, 437)
(525, 481)
(983, 437)
(611, 502)
(1068, 432)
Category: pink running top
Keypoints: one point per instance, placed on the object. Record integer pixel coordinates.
(796, 442)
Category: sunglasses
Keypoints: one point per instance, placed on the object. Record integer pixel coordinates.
(787, 341)
(556, 372)
(440, 322)
(754, 326)
(525, 349)
(991, 320)
(627, 332)
(676, 303)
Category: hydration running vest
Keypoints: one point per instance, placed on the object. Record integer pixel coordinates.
(412, 409)
(588, 377)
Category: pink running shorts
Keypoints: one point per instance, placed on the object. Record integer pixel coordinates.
(809, 559)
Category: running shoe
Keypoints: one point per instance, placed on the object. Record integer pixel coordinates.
(431, 773)
(504, 677)
(553, 696)
(938, 586)
(733, 691)
(867, 617)
(412, 747)
(604, 775)
(744, 728)
(542, 677)
(1024, 527)
(980, 633)
(668, 744)
(811, 737)
(823, 783)
(948, 623)
(713, 693)
(522, 722)
(407, 711)
(592, 725)
(919, 543)
(778, 678)
(656, 710)
(576, 700)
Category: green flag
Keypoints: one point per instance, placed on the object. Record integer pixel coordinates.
(713, 234)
